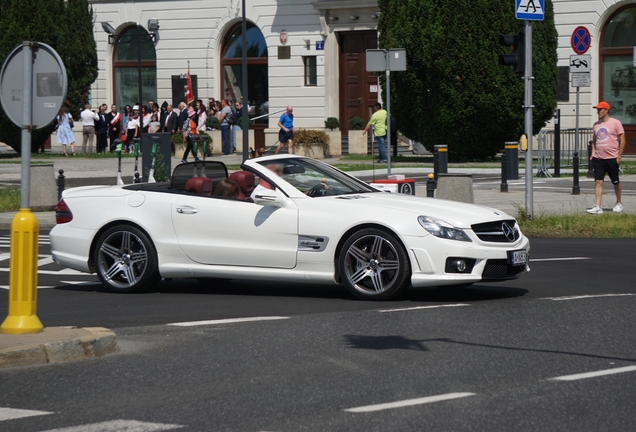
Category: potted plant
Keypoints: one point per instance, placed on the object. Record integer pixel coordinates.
(332, 126)
(357, 141)
(312, 143)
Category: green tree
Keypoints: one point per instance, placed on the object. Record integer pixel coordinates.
(455, 92)
(67, 26)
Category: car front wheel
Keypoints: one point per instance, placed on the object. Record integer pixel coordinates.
(374, 265)
(126, 260)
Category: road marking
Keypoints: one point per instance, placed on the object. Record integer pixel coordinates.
(409, 402)
(227, 321)
(560, 259)
(585, 296)
(13, 413)
(119, 426)
(5, 256)
(6, 287)
(82, 283)
(424, 307)
(595, 374)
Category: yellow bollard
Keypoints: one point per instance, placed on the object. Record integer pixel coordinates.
(23, 276)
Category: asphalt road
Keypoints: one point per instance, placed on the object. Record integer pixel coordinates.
(481, 359)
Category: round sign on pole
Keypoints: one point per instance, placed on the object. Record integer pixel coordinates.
(49, 84)
(581, 40)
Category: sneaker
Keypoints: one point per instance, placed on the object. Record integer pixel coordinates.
(595, 210)
(382, 161)
(618, 208)
(184, 161)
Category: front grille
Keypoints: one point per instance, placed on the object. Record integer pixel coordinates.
(500, 269)
(494, 232)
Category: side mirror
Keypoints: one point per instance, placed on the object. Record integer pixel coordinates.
(271, 198)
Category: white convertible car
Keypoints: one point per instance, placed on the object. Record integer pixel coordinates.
(296, 220)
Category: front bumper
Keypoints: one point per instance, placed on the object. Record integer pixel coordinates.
(429, 256)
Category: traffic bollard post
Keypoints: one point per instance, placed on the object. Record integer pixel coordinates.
(504, 173)
(440, 160)
(61, 181)
(590, 167)
(576, 189)
(430, 186)
(512, 160)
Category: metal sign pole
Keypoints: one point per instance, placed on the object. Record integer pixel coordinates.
(246, 101)
(27, 102)
(576, 190)
(387, 138)
(528, 118)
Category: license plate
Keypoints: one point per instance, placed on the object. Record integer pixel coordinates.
(518, 257)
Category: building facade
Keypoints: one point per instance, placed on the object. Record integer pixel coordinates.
(311, 54)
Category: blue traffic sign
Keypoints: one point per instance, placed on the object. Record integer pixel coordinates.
(532, 10)
(581, 40)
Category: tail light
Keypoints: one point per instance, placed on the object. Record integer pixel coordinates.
(63, 213)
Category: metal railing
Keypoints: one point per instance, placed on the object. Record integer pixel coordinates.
(545, 152)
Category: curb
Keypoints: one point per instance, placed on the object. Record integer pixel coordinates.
(98, 342)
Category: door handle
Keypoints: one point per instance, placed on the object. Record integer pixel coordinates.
(186, 210)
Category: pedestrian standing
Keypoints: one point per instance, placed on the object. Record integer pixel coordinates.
(154, 125)
(163, 113)
(101, 129)
(224, 118)
(145, 118)
(88, 118)
(133, 128)
(378, 123)
(65, 134)
(114, 120)
(202, 116)
(607, 149)
(287, 129)
(238, 114)
(183, 117)
(169, 123)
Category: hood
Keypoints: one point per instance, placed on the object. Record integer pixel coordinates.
(458, 214)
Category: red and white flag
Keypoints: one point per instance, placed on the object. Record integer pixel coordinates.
(189, 92)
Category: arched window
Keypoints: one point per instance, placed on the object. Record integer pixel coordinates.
(257, 76)
(618, 74)
(126, 68)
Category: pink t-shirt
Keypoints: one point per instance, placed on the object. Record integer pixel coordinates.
(607, 138)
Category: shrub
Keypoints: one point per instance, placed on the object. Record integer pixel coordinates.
(356, 123)
(332, 123)
(309, 138)
(212, 122)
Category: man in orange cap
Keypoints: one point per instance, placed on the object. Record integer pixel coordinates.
(607, 148)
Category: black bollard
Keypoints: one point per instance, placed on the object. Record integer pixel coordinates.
(557, 143)
(440, 160)
(60, 184)
(430, 186)
(590, 167)
(576, 189)
(504, 173)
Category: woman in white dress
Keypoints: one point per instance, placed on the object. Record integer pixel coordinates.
(64, 130)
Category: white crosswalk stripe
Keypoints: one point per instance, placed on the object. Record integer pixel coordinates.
(5, 241)
(119, 426)
(14, 413)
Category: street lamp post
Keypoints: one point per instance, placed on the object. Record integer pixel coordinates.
(246, 101)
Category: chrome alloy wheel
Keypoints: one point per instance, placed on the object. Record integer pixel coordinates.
(372, 264)
(122, 259)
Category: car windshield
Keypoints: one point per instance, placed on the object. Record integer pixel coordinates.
(315, 178)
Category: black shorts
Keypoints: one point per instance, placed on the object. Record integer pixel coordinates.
(283, 136)
(605, 166)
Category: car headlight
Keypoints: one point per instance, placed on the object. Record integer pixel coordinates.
(442, 229)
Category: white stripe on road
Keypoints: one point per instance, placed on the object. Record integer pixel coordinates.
(560, 259)
(227, 321)
(585, 296)
(6, 287)
(13, 413)
(82, 283)
(118, 426)
(595, 374)
(424, 307)
(409, 402)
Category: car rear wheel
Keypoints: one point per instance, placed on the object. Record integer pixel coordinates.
(126, 260)
(374, 265)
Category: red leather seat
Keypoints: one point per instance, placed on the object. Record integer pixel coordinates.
(199, 185)
(245, 180)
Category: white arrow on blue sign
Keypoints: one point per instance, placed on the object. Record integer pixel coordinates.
(532, 10)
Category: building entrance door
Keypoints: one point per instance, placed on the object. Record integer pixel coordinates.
(358, 88)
